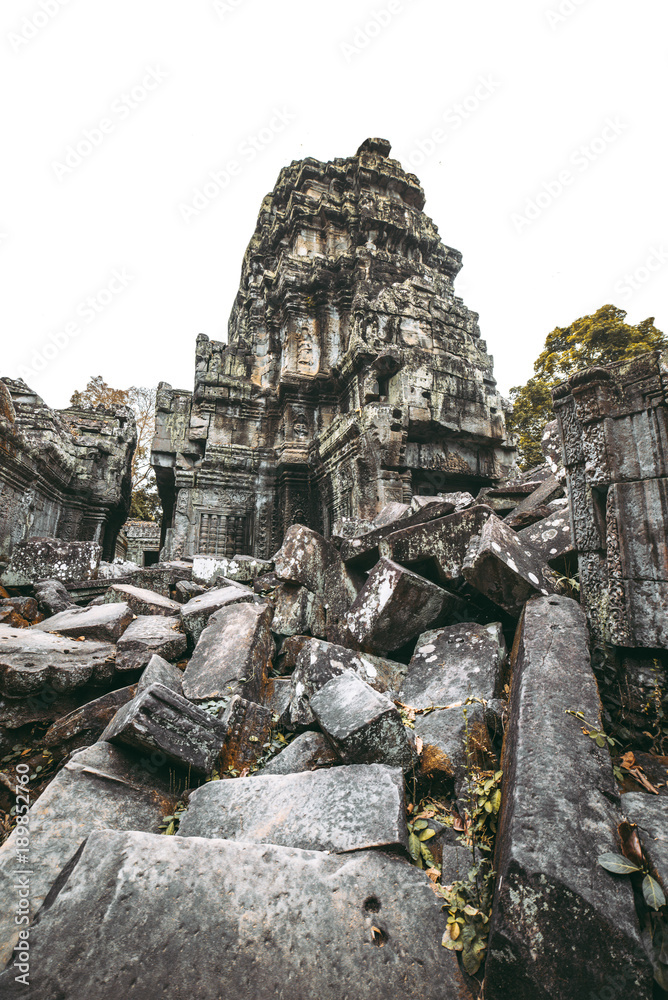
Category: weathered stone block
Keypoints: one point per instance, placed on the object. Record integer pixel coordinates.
(26, 607)
(278, 901)
(560, 922)
(197, 612)
(89, 721)
(362, 725)
(297, 611)
(247, 726)
(101, 787)
(362, 553)
(52, 597)
(142, 602)
(45, 558)
(160, 671)
(307, 752)
(209, 569)
(505, 569)
(147, 635)
(396, 604)
(308, 559)
(439, 546)
(343, 809)
(550, 489)
(31, 659)
(453, 664)
(551, 537)
(161, 720)
(105, 623)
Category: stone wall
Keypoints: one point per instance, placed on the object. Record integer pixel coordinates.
(143, 540)
(353, 377)
(64, 474)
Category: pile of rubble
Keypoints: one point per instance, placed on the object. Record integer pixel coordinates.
(313, 733)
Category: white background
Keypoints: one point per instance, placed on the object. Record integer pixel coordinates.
(536, 79)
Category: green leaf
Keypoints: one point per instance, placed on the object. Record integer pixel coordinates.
(420, 824)
(426, 834)
(653, 893)
(414, 847)
(617, 863)
(427, 855)
(470, 961)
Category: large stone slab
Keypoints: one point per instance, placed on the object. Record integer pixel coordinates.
(342, 809)
(395, 605)
(197, 612)
(31, 659)
(438, 547)
(89, 721)
(44, 558)
(187, 916)
(52, 596)
(319, 661)
(307, 752)
(142, 602)
(105, 623)
(146, 636)
(363, 726)
(242, 569)
(232, 656)
(550, 489)
(362, 553)
(297, 611)
(160, 671)
(307, 558)
(551, 537)
(101, 787)
(453, 664)
(161, 720)
(505, 569)
(560, 922)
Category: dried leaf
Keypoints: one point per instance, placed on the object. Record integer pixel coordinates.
(631, 848)
(418, 745)
(640, 777)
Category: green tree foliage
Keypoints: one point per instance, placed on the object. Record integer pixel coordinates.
(599, 339)
(145, 502)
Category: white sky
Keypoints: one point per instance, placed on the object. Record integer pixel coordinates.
(546, 82)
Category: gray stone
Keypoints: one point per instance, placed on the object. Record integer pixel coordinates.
(453, 664)
(445, 742)
(147, 635)
(101, 787)
(362, 553)
(247, 727)
(185, 590)
(282, 920)
(650, 814)
(438, 547)
(31, 659)
(343, 809)
(142, 602)
(396, 604)
(462, 500)
(233, 655)
(391, 513)
(362, 725)
(211, 570)
(277, 695)
(297, 611)
(308, 559)
(505, 569)
(551, 537)
(161, 720)
(52, 596)
(319, 661)
(43, 558)
(197, 612)
(90, 720)
(550, 489)
(307, 752)
(105, 623)
(558, 917)
(160, 671)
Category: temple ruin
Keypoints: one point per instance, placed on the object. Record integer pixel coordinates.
(353, 375)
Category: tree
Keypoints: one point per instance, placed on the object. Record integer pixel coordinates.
(145, 504)
(599, 339)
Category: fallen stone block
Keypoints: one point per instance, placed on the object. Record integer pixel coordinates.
(363, 726)
(312, 920)
(9, 616)
(453, 664)
(247, 727)
(105, 623)
(101, 787)
(551, 537)
(560, 921)
(362, 553)
(147, 635)
(51, 558)
(89, 721)
(395, 605)
(160, 671)
(197, 612)
(318, 662)
(308, 559)
(505, 569)
(277, 695)
(452, 739)
(550, 489)
(307, 752)
(344, 809)
(31, 659)
(461, 499)
(52, 596)
(186, 590)
(242, 569)
(439, 547)
(26, 607)
(233, 655)
(391, 513)
(349, 527)
(142, 602)
(161, 720)
(297, 611)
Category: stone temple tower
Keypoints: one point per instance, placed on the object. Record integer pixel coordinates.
(352, 377)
